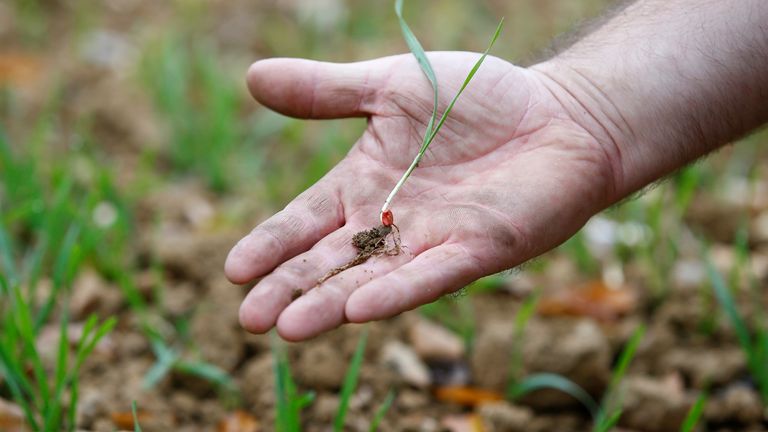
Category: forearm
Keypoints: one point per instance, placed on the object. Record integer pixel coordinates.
(666, 81)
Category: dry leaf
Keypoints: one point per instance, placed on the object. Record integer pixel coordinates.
(124, 419)
(238, 421)
(19, 70)
(593, 299)
(468, 396)
(11, 417)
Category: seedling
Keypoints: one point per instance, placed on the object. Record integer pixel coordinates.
(753, 343)
(350, 382)
(377, 236)
(136, 426)
(290, 403)
(695, 413)
(605, 415)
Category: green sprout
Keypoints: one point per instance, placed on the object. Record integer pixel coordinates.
(432, 129)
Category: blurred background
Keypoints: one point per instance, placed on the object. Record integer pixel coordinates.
(132, 158)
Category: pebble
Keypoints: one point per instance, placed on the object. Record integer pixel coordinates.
(505, 417)
(406, 363)
(91, 294)
(321, 367)
(652, 404)
(435, 342)
(738, 403)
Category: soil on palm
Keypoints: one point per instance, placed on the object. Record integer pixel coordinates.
(369, 243)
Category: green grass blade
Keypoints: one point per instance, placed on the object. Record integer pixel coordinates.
(165, 359)
(610, 409)
(604, 424)
(626, 357)
(287, 410)
(557, 382)
(136, 427)
(208, 372)
(431, 132)
(724, 297)
(350, 382)
(7, 264)
(382, 411)
(469, 77)
(695, 413)
(421, 57)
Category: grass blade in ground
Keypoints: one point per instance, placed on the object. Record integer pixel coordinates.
(289, 403)
(724, 297)
(382, 411)
(136, 427)
(350, 382)
(610, 408)
(543, 381)
(695, 413)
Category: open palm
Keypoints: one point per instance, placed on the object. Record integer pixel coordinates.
(512, 173)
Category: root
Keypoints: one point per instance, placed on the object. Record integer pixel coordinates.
(369, 243)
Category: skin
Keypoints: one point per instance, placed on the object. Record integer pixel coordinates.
(526, 157)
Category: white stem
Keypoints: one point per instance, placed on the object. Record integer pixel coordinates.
(401, 182)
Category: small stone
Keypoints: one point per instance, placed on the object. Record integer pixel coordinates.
(92, 294)
(737, 403)
(258, 384)
(324, 408)
(704, 366)
(410, 400)
(504, 417)
(319, 367)
(435, 342)
(652, 404)
(405, 363)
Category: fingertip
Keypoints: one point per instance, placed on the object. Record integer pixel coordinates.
(258, 73)
(293, 325)
(235, 269)
(253, 321)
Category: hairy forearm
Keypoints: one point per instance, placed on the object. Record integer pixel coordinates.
(666, 81)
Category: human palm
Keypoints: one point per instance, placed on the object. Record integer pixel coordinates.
(511, 174)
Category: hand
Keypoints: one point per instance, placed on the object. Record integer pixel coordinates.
(513, 172)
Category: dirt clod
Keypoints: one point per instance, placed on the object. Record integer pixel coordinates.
(369, 243)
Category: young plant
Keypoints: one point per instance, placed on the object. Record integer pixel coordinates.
(753, 343)
(288, 401)
(610, 406)
(605, 415)
(350, 382)
(136, 426)
(381, 411)
(34, 386)
(521, 322)
(695, 413)
(386, 215)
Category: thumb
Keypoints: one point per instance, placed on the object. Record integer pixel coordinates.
(312, 89)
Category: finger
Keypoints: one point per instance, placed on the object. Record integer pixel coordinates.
(293, 278)
(322, 308)
(311, 89)
(437, 271)
(310, 217)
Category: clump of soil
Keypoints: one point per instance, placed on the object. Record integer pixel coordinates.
(369, 243)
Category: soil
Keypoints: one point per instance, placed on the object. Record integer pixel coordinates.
(448, 369)
(370, 243)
